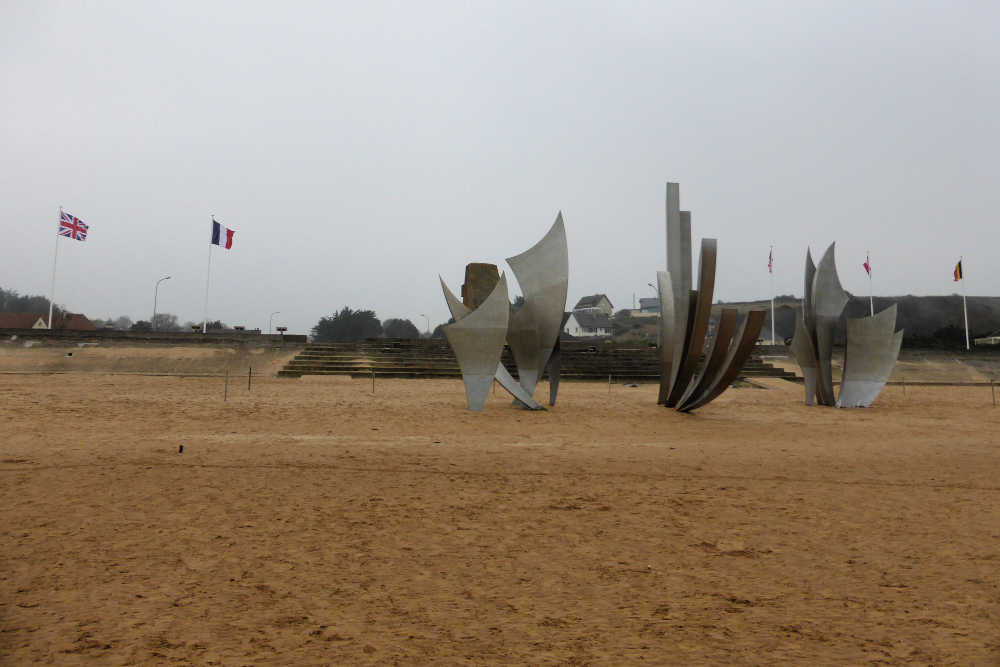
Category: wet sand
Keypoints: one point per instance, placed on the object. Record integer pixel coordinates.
(313, 522)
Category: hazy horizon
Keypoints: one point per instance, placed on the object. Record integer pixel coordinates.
(360, 151)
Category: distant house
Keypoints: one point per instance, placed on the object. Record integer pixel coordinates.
(649, 305)
(69, 321)
(648, 308)
(586, 323)
(595, 303)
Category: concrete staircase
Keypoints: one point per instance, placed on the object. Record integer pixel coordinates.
(388, 357)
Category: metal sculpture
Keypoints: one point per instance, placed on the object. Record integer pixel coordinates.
(477, 340)
(532, 330)
(687, 382)
(872, 346)
(458, 312)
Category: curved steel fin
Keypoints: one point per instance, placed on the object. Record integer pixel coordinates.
(871, 353)
(804, 351)
(665, 292)
(699, 322)
(807, 300)
(542, 271)
(828, 301)
(722, 339)
(477, 340)
(522, 336)
(743, 342)
(457, 309)
(679, 268)
(521, 397)
(554, 369)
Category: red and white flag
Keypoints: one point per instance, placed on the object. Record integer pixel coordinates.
(868, 265)
(222, 236)
(770, 261)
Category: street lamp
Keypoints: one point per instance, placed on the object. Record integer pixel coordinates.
(428, 320)
(155, 294)
(269, 321)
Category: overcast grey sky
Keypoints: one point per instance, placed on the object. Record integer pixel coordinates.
(359, 149)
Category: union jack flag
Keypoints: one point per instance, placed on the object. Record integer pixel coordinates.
(72, 226)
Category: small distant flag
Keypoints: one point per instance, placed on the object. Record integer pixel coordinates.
(72, 227)
(770, 261)
(868, 265)
(222, 236)
(958, 271)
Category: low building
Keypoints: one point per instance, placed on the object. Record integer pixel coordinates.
(68, 321)
(594, 303)
(649, 305)
(992, 339)
(23, 321)
(586, 324)
(73, 322)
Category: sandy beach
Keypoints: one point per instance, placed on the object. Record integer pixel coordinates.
(314, 522)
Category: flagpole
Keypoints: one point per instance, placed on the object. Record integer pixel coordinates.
(52, 291)
(871, 290)
(208, 274)
(965, 308)
(771, 272)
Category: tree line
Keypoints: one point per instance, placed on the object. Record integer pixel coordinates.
(163, 322)
(348, 324)
(11, 301)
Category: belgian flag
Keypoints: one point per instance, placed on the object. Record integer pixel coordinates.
(958, 271)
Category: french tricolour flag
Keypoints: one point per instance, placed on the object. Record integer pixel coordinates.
(222, 236)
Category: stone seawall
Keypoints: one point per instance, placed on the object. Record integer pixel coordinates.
(225, 337)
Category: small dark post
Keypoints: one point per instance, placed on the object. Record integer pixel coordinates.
(249, 376)
(609, 384)
(373, 380)
(225, 391)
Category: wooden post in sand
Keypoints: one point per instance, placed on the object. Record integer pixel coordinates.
(225, 391)
(373, 380)
(249, 376)
(609, 384)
